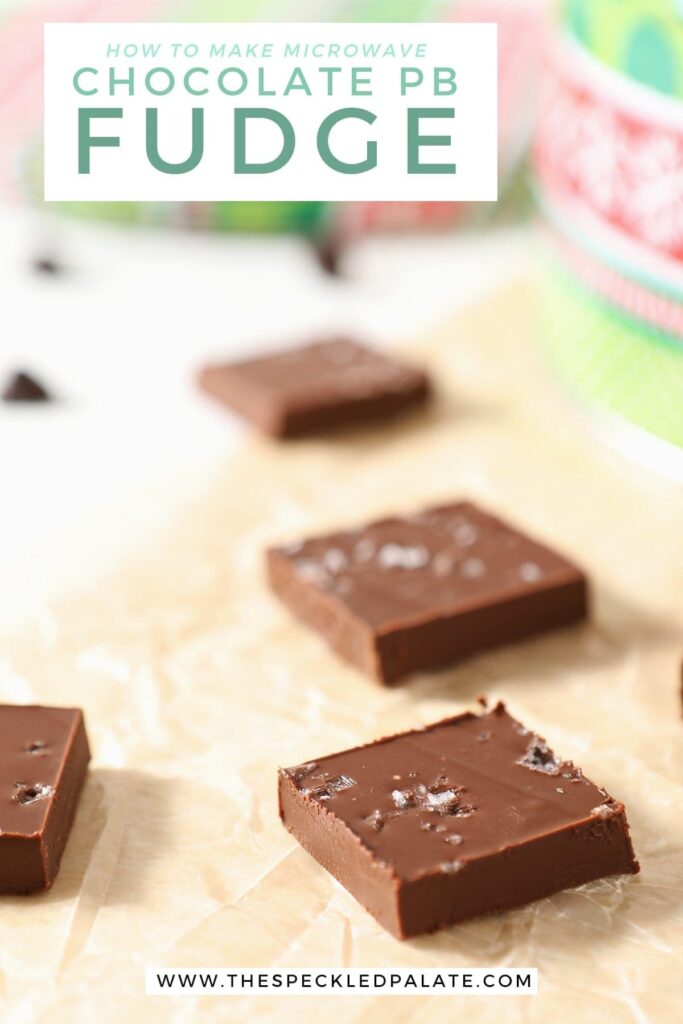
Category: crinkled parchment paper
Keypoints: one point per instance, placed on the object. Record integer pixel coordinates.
(196, 685)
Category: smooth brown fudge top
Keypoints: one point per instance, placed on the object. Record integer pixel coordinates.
(325, 372)
(429, 801)
(33, 744)
(440, 561)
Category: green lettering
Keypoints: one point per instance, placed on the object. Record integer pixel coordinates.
(361, 77)
(77, 81)
(297, 81)
(444, 82)
(152, 139)
(323, 141)
(129, 80)
(416, 78)
(240, 88)
(165, 89)
(86, 142)
(242, 115)
(188, 83)
(415, 140)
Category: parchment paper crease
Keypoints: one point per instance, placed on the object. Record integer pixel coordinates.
(196, 685)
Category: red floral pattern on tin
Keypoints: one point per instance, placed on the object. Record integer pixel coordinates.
(625, 295)
(618, 161)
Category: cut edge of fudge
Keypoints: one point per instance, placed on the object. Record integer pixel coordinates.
(335, 623)
(596, 846)
(420, 641)
(40, 853)
(221, 382)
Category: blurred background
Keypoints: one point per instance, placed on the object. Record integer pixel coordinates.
(113, 307)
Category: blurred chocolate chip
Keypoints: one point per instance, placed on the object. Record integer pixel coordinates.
(23, 388)
(329, 254)
(47, 265)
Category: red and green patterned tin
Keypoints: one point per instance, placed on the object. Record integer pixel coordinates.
(609, 179)
(641, 39)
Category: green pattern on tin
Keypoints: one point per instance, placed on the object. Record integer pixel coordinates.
(291, 10)
(252, 218)
(650, 58)
(641, 38)
(270, 10)
(386, 10)
(610, 361)
(578, 20)
(264, 217)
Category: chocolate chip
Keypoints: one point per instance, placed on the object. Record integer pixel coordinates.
(328, 253)
(23, 388)
(47, 265)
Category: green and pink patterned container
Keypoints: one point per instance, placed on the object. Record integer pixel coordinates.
(641, 39)
(609, 179)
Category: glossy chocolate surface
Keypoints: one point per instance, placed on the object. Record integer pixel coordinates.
(43, 761)
(425, 590)
(474, 814)
(316, 388)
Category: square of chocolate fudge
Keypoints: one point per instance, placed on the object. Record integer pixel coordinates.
(469, 816)
(316, 388)
(44, 757)
(424, 591)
